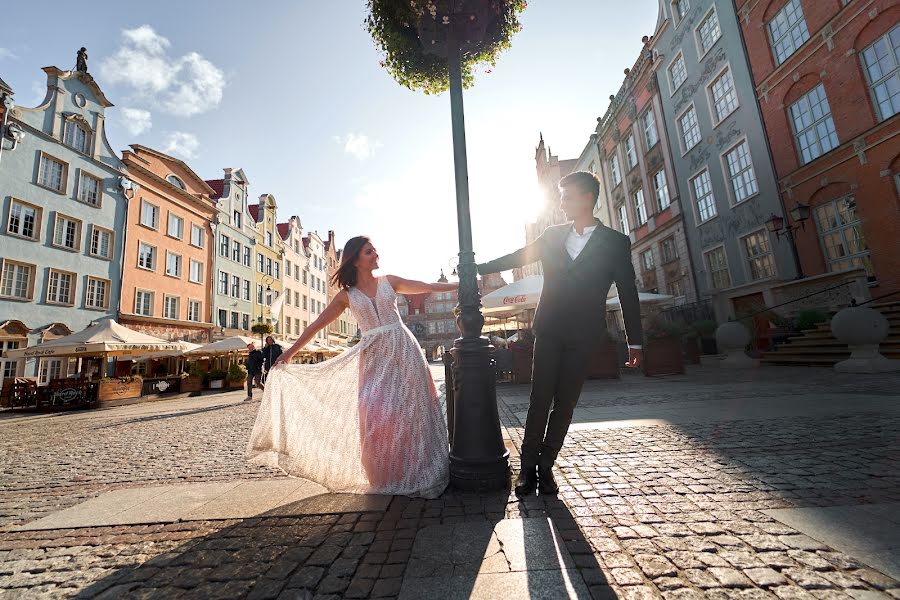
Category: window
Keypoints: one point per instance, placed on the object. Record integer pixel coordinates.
(277, 270)
(260, 263)
(740, 171)
(287, 297)
(882, 63)
(677, 73)
(10, 367)
(51, 368)
(53, 173)
(787, 31)
(24, 220)
(176, 182)
(651, 134)
(224, 244)
(268, 266)
(287, 324)
(287, 268)
(717, 265)
(297, 327)
(96, 294)
(675, 288)
(196, 274)
(247, 256)
(245, 321)
(690, 129)
(176, 226)
(630, 152)
(813, 125)
(703, 196)
(668, 250)
(222, 287)
(647, 261)
(17, 281)
(304, 277)
(614, 169)
(149, 215)
(246, 290)
(269, 239)
(623, 219)
(841, 235)
(195, 310)
(640, 207)
(198, 236)
(305, 303)
(758, 255)
(173, 264)
(236, 219)
(259, 293)
(661, 188)
(101, 242)
(77, 136)
(170, 307)
(297, 272)
(680, 9)
(222, 318)
(146, 256)
(708, 32)
(297, 299)
(89, 189)
(66, 232)
(724, 97)
(235, 286)
(61, 287)
(235, 251)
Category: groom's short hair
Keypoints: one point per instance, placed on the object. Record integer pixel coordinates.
(584, 181)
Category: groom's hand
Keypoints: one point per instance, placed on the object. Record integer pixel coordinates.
(635, 357)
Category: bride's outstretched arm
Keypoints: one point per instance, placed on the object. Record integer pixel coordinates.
(334, 309)
(411, 286)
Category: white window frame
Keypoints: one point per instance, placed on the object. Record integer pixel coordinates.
(48, 367)
(167, 314)
(676, 15)
(656, 189)
(179, 264)
(631, 157)
(227, 281)
(64, 175)
(681, 133)
(730, 178)
(651, 127)
(138, 305)
(662, 254)
(787, 34)
(36, 227)
(93, 281)
(50, 298)
(176, 181)
(195, 265)
(695, 200)
(81, 191)
(711, 279)
(714, 104)
(893, 55)
(13, 284)
(246, 290)
(749, 260)
(195, 311)
(813, 126)
(615, 169)
(865, 256)
(201, 236)
(173, 218)
(670, 74)
(645, 268)
(57, 217)
(154, 255)
(71, 125)
(96, 230)
(698, 34)
(624, 226)
(154, 214)
(640, 207)
(235, 288)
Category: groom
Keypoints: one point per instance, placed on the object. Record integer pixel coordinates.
(580, 261)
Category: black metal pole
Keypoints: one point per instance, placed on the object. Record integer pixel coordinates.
(478, 458)
(795, 252)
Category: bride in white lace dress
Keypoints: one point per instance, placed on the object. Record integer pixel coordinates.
(369, 420)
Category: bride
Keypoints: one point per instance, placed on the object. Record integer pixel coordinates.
(369, 420)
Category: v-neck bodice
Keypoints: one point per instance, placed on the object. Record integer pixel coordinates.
(374, 311)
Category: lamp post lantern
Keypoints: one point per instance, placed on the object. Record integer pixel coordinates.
(776, 224)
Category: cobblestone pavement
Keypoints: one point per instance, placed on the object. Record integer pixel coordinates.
(672, 511)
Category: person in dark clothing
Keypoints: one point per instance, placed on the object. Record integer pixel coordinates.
(254, 364)
(270, 353)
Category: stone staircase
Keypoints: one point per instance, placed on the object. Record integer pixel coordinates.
(818, 347)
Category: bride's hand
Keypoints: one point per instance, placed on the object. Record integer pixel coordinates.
(282, 360)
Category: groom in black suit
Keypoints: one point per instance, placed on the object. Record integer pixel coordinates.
(580, 260)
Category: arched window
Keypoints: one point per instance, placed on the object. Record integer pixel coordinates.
(176, 182)
(77, 136)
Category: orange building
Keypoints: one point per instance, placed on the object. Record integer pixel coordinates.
(168, 265)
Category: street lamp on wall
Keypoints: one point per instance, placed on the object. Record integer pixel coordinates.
(776, 224)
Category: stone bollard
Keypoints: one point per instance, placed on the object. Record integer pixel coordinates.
(862, 329)
(732, 338)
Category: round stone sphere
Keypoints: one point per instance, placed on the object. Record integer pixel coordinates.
(859, 326)
(732, 336)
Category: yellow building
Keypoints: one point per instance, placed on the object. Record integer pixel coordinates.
(269, 253)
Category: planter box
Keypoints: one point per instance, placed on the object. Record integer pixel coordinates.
(216, 384)
(117, 390)
(237, 383)
(192, 384)
(691, 350)
(522, 359)
(663, 357)
(604, 362)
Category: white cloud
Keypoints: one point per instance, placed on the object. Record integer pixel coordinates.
(358, 145)
(183, 86)
(136, 121)
(38, 91)
(6, 53)
(180, 143)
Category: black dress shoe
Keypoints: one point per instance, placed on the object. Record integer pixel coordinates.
(526, 482)
(546, 482)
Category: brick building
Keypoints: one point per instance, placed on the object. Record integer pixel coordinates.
(827, 74)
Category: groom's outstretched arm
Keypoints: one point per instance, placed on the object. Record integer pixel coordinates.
(628, 295)
(521, 257)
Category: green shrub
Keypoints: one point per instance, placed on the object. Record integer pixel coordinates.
(810, 318)
(237, 372)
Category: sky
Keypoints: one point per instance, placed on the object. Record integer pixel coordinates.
(292, 92)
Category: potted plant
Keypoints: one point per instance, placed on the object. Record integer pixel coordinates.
(118, 388)
(192, 381)
(522, 357)
(604, 362)
(663, 352)
(810, 318)
(260, 328)
(216, 379)
(237, 375)
(706, 331)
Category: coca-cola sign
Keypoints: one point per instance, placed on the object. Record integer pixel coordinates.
(514, 299)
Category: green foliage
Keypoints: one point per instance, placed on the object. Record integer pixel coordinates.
(196, 370)
(237, 372)
(262, 328)
(393, 25)
(659, 329)
(124, 379)
(217, 374)
(809, 318)
(704, 328)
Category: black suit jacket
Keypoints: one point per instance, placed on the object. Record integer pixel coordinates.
(573, 299)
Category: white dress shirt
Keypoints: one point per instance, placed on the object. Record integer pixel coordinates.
(575, 243)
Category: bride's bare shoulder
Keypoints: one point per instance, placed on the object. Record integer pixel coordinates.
(343, 297)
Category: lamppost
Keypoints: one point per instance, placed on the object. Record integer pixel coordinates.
(776, 224)
(268, 294)
(478, 458)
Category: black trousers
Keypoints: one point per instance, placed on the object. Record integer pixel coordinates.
(557, 376)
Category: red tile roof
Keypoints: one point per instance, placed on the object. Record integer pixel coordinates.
(254, 211)
(218, 186)
(284, 230)
(306, 243)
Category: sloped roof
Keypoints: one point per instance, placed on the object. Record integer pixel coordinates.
(138, 148)
(284, 230)
(254, 211)
(218, 187)
(4, 87)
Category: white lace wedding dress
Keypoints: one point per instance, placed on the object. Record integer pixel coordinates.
(366, 421)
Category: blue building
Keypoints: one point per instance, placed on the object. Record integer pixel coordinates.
(63, 199)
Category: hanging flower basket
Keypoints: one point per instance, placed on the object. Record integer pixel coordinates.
(262, 328)
(412, 36)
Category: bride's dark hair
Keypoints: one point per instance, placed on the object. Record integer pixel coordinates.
(346, 273)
